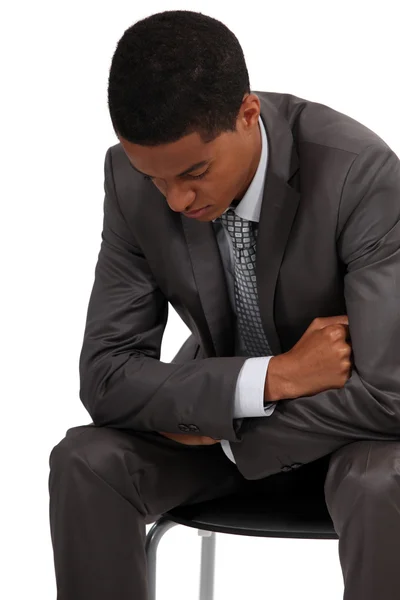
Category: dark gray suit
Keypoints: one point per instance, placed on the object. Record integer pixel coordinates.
(328, 244)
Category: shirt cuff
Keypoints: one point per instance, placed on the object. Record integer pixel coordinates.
(250, 386)
(226, 447)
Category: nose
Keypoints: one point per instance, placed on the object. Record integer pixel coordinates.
(180, 200)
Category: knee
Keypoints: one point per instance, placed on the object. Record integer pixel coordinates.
(363, 471)
(68, 451)
(95, 458)
(94, 446)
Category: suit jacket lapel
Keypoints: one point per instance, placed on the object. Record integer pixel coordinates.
(212, 286)
(279, 206)
(277, 213)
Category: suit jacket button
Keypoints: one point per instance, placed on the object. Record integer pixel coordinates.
(193, 428)
(183, 427)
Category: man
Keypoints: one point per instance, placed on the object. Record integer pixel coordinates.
(289, 281)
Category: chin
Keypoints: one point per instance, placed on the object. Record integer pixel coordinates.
(205, 218)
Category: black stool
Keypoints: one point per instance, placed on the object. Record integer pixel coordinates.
(263, 515)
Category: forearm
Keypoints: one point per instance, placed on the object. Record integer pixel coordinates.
(144, 394)
(278, 383)
(306, 428)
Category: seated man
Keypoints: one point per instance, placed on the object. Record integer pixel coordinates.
(271, 225)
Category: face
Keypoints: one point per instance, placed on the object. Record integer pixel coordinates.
(192, 175)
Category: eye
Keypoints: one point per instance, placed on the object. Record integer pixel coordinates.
(199, 176)
(148, 178)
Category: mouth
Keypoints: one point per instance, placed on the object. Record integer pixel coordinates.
(196, 213)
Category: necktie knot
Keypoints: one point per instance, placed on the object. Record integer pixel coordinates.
(239, 229)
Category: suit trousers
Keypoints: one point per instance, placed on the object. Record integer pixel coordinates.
(106, 484)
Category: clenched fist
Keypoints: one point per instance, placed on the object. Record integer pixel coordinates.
(321, 360)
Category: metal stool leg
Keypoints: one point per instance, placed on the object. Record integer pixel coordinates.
(207, 566)
(152, 540)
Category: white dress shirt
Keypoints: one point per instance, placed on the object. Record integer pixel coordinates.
(249, 395)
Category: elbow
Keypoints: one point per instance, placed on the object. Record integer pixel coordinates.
(91, 394)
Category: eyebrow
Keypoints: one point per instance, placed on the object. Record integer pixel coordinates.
(192, 168)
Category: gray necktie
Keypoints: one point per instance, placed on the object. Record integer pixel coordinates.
(244, 239)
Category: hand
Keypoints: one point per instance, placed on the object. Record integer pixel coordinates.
(321, 360)
(189, 439)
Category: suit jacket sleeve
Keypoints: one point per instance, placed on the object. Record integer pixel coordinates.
(368, 245)
(367, 407)
(123, 383)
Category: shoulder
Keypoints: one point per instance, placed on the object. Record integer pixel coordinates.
(319, 126)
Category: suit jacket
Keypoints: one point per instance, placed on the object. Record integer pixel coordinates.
(328, 244)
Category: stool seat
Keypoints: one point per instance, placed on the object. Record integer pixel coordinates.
(282, 506)
(258, 516)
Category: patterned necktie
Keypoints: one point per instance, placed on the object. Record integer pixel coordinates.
(244, 239)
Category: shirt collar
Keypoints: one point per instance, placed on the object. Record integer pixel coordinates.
(249, 207)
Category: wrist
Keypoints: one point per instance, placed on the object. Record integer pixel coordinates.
(278, 383)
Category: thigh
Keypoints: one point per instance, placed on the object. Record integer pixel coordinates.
(148, 469)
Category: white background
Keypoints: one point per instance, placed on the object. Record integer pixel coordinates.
(55, 131)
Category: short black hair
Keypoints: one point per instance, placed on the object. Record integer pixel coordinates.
(175, 73)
